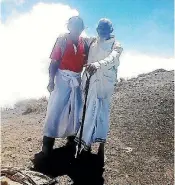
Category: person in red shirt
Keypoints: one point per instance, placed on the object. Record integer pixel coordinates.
(68, 57)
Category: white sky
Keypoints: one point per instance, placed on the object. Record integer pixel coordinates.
(26, 42)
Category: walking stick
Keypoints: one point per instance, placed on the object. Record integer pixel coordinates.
(84, 112)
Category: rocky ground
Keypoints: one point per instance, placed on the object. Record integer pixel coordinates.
(140, 146)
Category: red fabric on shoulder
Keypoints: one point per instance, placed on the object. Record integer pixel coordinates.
(56, 53)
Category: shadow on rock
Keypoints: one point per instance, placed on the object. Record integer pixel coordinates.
(87, 169)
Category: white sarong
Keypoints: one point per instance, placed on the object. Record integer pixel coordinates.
(62, 118)
(96, 123)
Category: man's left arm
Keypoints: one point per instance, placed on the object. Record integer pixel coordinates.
(113, 58)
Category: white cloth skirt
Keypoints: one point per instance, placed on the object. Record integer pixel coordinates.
(63, 111)
(96, 123)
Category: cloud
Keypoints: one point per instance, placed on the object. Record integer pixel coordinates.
(133, 63)
(26, 42)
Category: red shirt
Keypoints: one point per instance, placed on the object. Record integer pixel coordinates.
(71, 60)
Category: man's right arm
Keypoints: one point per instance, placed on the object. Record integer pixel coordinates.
(55, 60)
(53, 67)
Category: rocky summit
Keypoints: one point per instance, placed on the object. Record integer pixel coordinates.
(140, 145)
